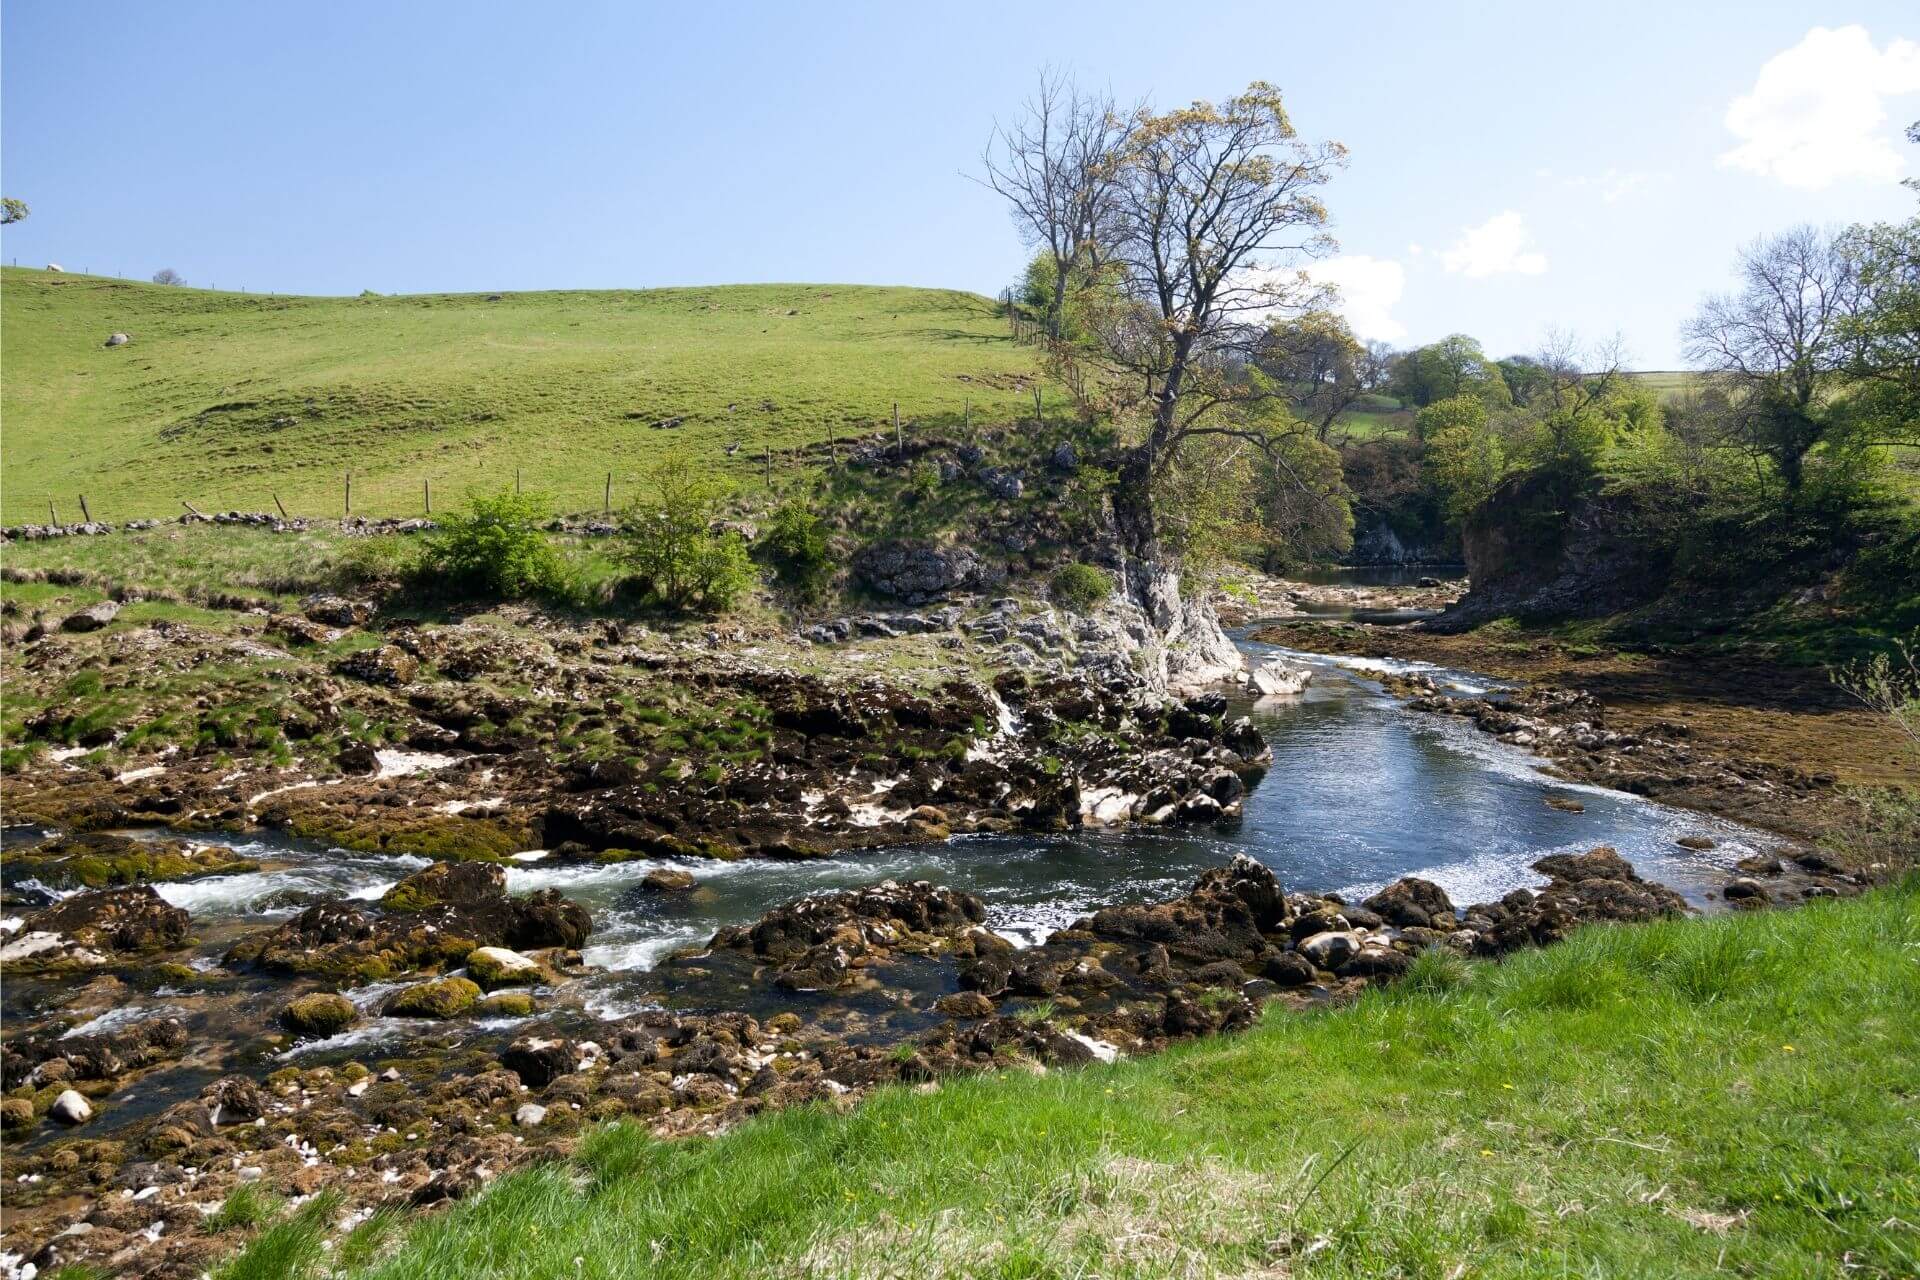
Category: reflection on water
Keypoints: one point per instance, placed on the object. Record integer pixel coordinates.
(1373, 575)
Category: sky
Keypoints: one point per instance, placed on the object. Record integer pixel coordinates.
(1514, 168)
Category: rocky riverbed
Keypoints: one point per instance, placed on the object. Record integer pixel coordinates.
(410, 1003)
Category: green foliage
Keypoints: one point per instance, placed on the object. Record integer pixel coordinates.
(1081, 588)
(289, 1250)
(1453, 366)
(247, 1205)
(1465, 461)
(679, 557)
(495, 547)
(12, 211)
(794, 543)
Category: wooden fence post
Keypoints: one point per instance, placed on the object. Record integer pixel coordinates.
(52, 519)
(899, 441)
(347, 502)
(1036, 402)
(281, 505)
(85, 514)
(766, 457)
(966, 416)
(516, 479)
(426, 489)
(606, 497)
(191, 509)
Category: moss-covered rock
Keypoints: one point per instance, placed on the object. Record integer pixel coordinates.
(494, 967)
(100, 860)
(505, 1004)
(445, 998)
(16, 1113)
(323, 1013)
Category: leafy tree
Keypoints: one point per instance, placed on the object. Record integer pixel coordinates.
(1324, 368)
(12, 211)
(795, 544)
(1778, 348)
(495, 547)
(1453, 366)
(167, 275)
(1465, 460)
(679, 555)
(1211, 204)
(1882, 335)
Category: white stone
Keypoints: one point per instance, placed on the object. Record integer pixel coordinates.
(71, 1107)
(1332, 948)
(1277, 679)
(529, 1115)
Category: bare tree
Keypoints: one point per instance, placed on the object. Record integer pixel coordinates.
(1055, 167)
(167, 275)
(1776, 346)
(1216, 209)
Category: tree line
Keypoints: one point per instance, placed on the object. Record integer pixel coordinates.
(1170, 258)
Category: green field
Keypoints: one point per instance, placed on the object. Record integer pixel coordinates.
(1734, 1097)
(225, 400)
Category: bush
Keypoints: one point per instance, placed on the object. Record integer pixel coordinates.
(369, 563)
(795, 544)
(1081, 587)
(675, 551)
(495, 547)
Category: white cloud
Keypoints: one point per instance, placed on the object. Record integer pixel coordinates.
(1817, 112)
(1614, 185)
(1369, 287)
(1499, 246)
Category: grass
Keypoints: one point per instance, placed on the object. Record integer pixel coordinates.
(1677, 1099)
(226, 399)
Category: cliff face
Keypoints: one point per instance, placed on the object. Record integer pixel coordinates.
(1534, 551)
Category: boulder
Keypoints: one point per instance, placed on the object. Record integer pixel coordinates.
(916, 571)
(335, 611)
(529, 1115)
(234, 1099)
(539, 1060)
(16, 1113)
(1413, 903)
(443, 998)
(1277, 678)
(493, 967)
(1223, 917)
(358, 758)
(91, 618)
(71, 1108)
(1330, 950)
(118, 339)
(667, 880)
(322, 1013)
(387, 665)
(87, 927)
(1598, 885)
(964, 1004)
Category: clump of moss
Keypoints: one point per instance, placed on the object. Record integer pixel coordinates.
(444, 998)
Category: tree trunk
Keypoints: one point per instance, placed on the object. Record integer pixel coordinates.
(1057, 313)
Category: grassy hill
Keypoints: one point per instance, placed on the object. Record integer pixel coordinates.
(224, 399)
(1730, 1096)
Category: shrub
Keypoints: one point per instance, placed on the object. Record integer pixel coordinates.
(679, 557)
(1081, 587)
(795, 545)
(371, 562)
(495, 547)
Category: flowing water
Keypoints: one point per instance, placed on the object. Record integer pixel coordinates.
(1360, 792)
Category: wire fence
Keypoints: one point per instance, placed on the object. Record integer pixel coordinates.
(567, 488)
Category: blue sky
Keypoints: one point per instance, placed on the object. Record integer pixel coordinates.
(1514, 167)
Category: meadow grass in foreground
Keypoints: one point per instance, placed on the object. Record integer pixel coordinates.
(1736, 1095)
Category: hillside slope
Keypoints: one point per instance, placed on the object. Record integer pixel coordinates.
(226, 399)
